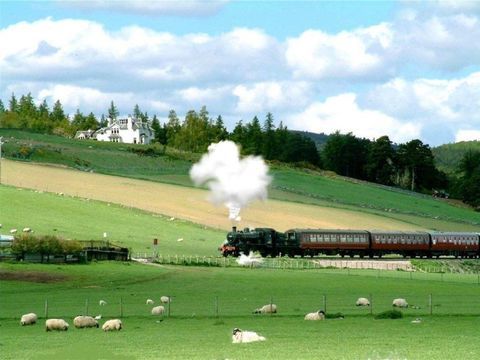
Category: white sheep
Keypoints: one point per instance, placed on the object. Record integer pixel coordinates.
(85, 322)
(150, 302)
(158, 310)
(13, 231)
(165, 299)
(362, 302)
(28, 319)
(102, 303)
(27, 230)
(319, 315)
(113, 324)
(245, 336)
(401, 303)
(266, 309)
(56, 324)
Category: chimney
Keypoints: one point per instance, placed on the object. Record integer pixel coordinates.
(234, 229)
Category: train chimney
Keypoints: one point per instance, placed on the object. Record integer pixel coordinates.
(234, 229)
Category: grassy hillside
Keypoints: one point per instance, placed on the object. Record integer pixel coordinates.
(289, 184)
(208, 303)
(448, 156)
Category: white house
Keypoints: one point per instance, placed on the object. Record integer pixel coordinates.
(125, 130)
(84, 134)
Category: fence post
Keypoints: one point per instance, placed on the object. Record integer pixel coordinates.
(46, 309)
(216, 306)
(430, 304)
(325, 303)
(371, 304)
(86, 306)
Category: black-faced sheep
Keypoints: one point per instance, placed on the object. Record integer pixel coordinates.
(112, 325)
(401, 303)
(319, 315)
(158, 310)
(56, 324)
(362, 302)
(266, 309)
(28, 319)
(85, 322)
(245, 336)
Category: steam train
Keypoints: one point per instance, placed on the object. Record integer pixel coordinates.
(373, 243)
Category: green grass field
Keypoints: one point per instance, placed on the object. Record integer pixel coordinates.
(209, 302)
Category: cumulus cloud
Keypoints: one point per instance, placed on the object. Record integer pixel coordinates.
(271, 95)
(343, 113)
(467, 135)
(354, 54)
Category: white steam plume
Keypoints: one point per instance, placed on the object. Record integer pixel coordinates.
(232, 181)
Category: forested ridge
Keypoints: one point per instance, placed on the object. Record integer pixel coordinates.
(410, 165)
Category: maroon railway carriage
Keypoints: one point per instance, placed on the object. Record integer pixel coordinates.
(330, 242)
(454, 243)
(406, 243)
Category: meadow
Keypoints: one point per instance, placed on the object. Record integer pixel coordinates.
(86, 189)
(209, 302)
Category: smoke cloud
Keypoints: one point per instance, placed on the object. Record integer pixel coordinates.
(232, 181)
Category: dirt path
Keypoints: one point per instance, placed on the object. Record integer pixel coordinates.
(185, 203)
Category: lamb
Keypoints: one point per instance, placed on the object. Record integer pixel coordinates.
(56, 324)
(245, 336)
(158, 310)
(111, 325)
(102, 303)
(401, 303)
(165, 299)
(266, 309)
(28, 319)
(319, 315)
(85, 322)
(150, 302)
(362, 302)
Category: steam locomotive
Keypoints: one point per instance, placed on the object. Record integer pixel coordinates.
(373, 243)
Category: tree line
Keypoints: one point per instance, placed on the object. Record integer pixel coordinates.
(410, 165)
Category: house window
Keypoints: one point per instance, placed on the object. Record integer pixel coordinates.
(134, 140)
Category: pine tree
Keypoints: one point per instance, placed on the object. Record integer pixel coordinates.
(2, 107)
(13, 104)
(113, 112)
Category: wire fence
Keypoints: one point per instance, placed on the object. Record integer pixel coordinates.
(216, 306)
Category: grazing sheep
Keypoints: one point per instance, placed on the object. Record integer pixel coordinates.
(98, 317)
(266, 309)
(417, 321)
(28, 319)
(85, 322)
(165, 299)
(362, 302)
(27, 230)
(56, 324)
(13, 231)
(102, 303)
(401, 303)
(111, 325)
(244, 336)
(319, 315)
(150, 302)
(158, 310)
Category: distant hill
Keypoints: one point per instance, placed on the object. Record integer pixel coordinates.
(318, 139)
(448, 156)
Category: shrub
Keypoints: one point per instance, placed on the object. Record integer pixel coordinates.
(390, 314)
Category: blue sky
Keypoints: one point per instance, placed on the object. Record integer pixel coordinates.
(403, 69)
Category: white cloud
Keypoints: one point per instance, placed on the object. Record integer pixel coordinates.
(355, 54)
(342, 113)
(271, 96)
(467, 135)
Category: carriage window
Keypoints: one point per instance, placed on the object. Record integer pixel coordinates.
(343, 238)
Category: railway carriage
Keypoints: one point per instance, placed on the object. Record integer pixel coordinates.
(458, 244)
(330, 242)
(406, 243)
